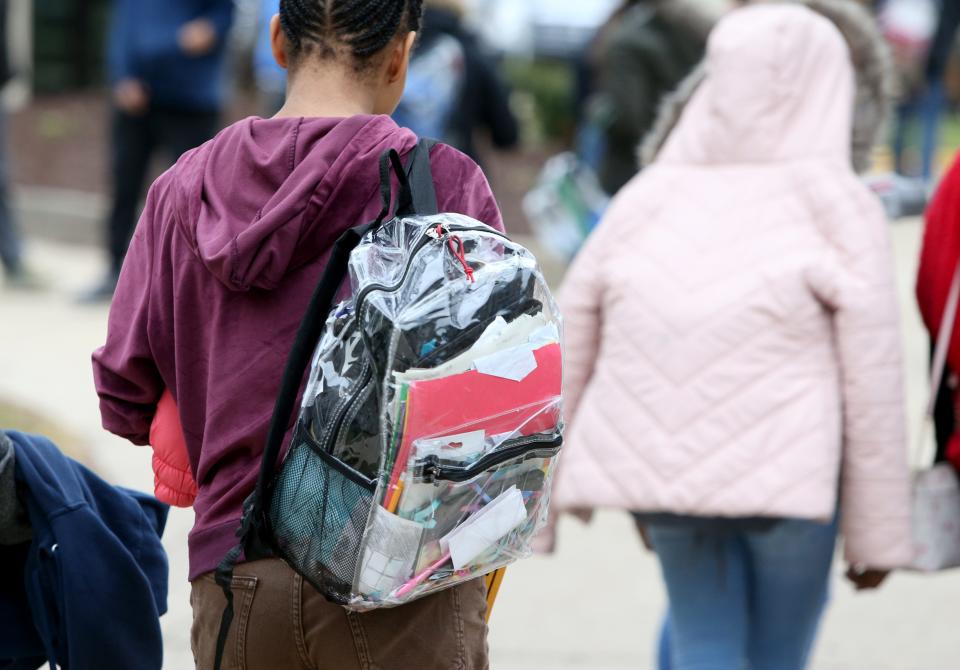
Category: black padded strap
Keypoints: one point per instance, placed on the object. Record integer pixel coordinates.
(420, 195)
(405, 194)
(417, 190)
(417, 196)
(420, 176)
(306, 341)
(386, 186)
(311, 328)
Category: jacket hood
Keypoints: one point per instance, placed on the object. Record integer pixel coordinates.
(805, 65)
(257, 201)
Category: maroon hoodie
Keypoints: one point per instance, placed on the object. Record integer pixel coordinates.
(230, 247)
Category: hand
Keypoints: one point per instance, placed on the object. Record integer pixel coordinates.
(865, 579)
(644, 534)
(197, 38)
(583, 514)
(544, 543)
(131, 96)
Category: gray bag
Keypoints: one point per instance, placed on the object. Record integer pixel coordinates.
(936, 490)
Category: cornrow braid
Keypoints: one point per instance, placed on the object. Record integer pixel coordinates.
(361, 27)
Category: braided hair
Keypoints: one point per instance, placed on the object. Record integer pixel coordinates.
(361, 28)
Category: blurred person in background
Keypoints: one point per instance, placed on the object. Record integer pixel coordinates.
(591, 112)
(589, 62)
(645, 51)
(11, 244)
(733, 359)
(944, 40)
(935, 102)
(166, 63)
(454, 90)
(941, 247)
(939, 260)
(909, 27)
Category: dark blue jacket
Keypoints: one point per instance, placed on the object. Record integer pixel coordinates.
(88, 591)
(943, 40)
(144, 45)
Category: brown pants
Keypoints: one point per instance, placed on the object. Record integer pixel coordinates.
(283, 623)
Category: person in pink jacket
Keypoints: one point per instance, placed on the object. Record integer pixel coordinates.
(733, 370)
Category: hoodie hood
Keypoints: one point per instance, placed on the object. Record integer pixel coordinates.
(255, 202)
(818, 67)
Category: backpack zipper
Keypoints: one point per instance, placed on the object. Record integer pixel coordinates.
(433, 470)
(345, 408)
(426, 237)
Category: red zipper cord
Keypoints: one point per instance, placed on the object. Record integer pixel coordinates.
(459, 251)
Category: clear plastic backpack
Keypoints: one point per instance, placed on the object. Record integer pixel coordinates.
(431, 422)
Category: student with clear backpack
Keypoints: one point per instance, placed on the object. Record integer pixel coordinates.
(216, 281)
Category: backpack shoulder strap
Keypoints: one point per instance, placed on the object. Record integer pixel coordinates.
(254, 533)
(419, 195)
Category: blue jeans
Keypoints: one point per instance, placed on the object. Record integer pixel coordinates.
(926, 107)
(744, 599)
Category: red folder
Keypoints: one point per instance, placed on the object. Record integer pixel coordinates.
(473, 401)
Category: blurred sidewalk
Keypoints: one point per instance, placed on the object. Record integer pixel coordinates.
(595, 606)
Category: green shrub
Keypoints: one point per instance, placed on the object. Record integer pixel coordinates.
(545, 92)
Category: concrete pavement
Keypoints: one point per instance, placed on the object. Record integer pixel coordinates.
(596, 605)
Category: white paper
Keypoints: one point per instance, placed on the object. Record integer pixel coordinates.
(493, 332)
(495, 338)
(485, 528)
(464, 447)
(545, 336)
(392, 547)
(514, 364)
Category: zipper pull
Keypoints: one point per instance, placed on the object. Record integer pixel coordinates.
(437, 232)
(459, 252)
(440, 232)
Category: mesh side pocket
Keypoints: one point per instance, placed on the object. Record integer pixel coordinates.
(319, 511)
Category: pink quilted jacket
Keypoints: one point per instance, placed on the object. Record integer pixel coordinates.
(732, 332)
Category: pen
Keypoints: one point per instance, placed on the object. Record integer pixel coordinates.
(419, 579)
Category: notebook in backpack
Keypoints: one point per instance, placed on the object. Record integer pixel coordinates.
(431, 422)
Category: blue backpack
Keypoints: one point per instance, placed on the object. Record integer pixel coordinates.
(434, 86)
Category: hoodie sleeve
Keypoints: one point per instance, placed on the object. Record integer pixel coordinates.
(125, 374)
(462, 187)
(856, 281)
